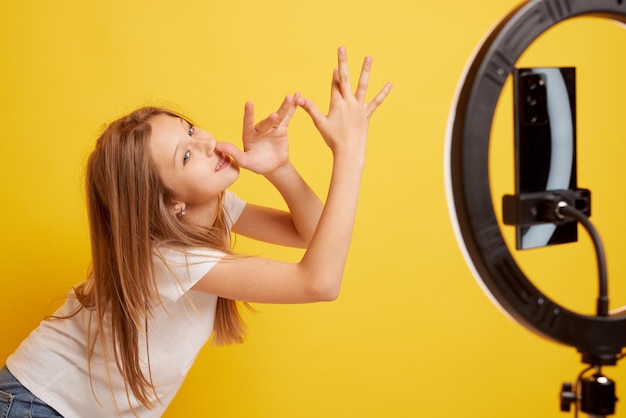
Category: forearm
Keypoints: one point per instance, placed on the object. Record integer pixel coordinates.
(304, 205)
(326, 256)
(318, 275)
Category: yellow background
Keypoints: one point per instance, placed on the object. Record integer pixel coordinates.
(412, 333)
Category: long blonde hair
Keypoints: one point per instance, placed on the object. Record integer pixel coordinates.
(129, 212)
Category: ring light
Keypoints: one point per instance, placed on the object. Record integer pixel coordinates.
(600, 339)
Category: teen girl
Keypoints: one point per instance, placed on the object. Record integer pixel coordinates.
(163, 278)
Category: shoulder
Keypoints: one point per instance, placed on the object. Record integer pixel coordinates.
(178, 270)
(233, 206)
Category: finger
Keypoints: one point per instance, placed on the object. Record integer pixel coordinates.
(248, 117)
(233, 151)
(286, 110)
(343, 73)
(335, 91)
(310, 108)
(377, 101)
(271, 122)
(364, 78)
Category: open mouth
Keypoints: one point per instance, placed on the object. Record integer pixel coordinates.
(224, 161)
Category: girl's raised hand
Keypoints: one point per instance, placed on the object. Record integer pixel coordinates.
(345, 126)
(265, 144)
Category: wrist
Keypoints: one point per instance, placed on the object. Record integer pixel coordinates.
(279, 172)
(349, 158)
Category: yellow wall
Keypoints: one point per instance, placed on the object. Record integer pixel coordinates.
(412, 333)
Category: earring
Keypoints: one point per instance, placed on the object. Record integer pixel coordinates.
(183, 212)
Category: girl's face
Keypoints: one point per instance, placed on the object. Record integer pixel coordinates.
(188, 163)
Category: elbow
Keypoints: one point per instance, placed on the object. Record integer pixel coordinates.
(332, 296)
(328, 296)
(326, 291)
(319, 283)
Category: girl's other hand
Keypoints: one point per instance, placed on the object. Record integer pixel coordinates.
(345, 126)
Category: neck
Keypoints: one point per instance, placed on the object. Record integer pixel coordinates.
(201, 215)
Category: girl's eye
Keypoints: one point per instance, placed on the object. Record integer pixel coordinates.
(190, 131)
(186, 157)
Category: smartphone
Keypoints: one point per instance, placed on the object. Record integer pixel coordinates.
(544, 105)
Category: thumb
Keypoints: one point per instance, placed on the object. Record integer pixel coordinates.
(311, 109)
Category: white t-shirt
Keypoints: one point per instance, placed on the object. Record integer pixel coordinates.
(52, 361)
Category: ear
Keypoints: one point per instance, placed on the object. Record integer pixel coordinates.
(178, 208)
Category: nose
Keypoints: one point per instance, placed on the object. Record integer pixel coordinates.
(206, 141)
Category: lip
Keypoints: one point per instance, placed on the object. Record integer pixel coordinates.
(223, 162)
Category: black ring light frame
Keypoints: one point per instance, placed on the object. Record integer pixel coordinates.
(599, 339)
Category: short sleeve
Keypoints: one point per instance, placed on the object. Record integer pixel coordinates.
(177, 271)
(233, 205)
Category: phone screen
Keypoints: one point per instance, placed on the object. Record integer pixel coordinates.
(545, 144)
